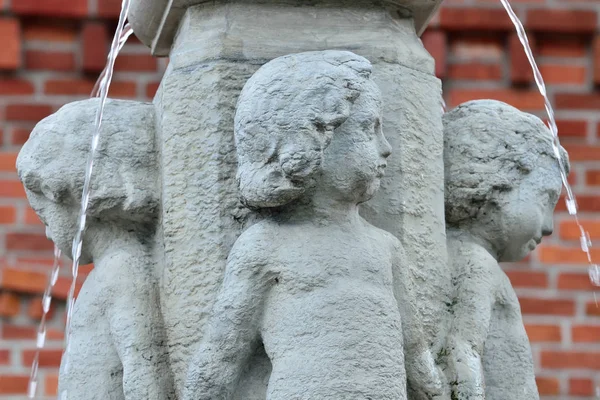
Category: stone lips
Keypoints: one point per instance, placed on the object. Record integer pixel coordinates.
(156, 22)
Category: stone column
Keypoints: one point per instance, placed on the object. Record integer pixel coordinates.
(216, 46)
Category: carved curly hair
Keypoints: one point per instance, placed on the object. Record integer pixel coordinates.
(52, 162)
(489, 146)
(286, 116)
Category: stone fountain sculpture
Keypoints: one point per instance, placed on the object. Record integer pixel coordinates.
(263, 118)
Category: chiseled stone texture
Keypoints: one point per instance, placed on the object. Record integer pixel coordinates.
(117, 347)
(218, 47)
(315, 285)
(503, 181)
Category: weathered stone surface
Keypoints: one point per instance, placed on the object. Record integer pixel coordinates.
(117, 344)
(156, 22)
(217, 49)
(502, 184)
(313, 283)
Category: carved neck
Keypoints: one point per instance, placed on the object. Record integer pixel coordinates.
(322, 209)
(471, 235)
(101, 240)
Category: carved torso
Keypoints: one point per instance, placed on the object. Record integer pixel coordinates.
(333, 299)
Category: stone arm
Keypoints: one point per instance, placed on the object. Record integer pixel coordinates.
(137, 329)
(423, 375)
(232, 331)
(471, 311)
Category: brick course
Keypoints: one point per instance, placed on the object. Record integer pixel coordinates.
(53, 50)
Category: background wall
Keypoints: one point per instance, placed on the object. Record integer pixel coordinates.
(51, 52)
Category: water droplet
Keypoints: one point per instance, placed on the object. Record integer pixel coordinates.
(41, 338)
(571, 206)
(594, 272)
(31, 389)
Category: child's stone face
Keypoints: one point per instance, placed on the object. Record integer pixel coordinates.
(61, 223)
(355, 160)
(527, 212)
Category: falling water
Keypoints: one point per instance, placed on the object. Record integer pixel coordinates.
(41, 332)
(100, 90)
(585, 242)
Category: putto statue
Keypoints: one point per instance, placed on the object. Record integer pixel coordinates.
(320, 288)
(502, 184)
(117, 344)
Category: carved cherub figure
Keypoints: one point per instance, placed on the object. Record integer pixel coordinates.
(502, 183)
(313, 283)
(117, 345)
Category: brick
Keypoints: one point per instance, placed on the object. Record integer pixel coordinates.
(572, 128)
(48, 357)
(23, 281)
(520, 69)
(477, 48)
(592, 177)
(581, 387)
(51, 8)
(563, 74)
(570, 231)
(475, 71)
(9, 305)
(151, 89)
(596, 59)
(547, 386)
(585, 333)
(136, 63)
(35, 309)
(19, 135)
(4, 357)
(16, 332)
(62, 287)
(582, 152)
(31, 217)
(543, 333)
(547, 306)
(561, 46)
(585, 203)
(109, 8)
(8, 161)
(49, 31)
(529, 279)
(577, 101)
(42, 261)
(10, 32)
(573, 281)
(570, 360)
(8, 214)
(592, 309)
(71, 87)
(13, 384)
(565, 255)
(27, 112)
(11, 189)
(436, 43)
(50, 60)
(521, 99)
(28, 241)
(564, 21)
(13, 332)
(94, 46)
(479, 19)
(123, 89)
(51, 385)
(15, 87)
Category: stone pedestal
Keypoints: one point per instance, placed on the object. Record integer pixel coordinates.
(214, 47)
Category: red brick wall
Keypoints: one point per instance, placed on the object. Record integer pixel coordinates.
(52, 51)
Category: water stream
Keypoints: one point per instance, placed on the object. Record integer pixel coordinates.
(100, 90)
(584, 239)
